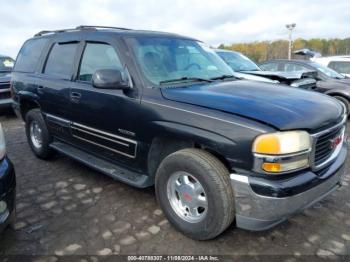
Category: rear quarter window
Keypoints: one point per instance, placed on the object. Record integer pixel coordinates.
(28, 57)
(270, 67)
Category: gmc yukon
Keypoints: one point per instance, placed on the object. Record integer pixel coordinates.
(150, 108)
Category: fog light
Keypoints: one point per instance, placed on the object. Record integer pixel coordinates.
(3, 207)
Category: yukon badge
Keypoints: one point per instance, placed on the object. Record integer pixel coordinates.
(126, 132)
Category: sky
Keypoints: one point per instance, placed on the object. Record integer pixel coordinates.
(214, 22)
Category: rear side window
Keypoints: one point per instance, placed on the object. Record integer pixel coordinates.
(98, 56)
(28, 57)
(270, 67)
(294, 67)
(60, 61)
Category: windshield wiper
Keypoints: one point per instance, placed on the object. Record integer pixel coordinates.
(223, 77)
(185, 79)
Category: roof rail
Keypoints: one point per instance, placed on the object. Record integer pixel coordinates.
(81, 27)
(101, 27)
(45, 32)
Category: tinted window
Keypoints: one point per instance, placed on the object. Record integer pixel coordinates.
(288, 67)
(98, 56)
(342, 67)
(270, 67)
(28, 57)
(60, 61)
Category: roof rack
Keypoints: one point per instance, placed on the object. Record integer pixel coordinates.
(101, 27)
(81, 27)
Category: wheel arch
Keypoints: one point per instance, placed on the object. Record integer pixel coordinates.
(27, 102)
(174, 137)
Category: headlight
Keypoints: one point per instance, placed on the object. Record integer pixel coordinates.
(2, 143)
(282, 151)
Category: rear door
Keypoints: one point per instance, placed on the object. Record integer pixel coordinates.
(54, 85)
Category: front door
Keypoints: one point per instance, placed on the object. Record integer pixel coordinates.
(103, 120)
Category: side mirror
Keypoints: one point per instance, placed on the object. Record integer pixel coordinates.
(109, 79)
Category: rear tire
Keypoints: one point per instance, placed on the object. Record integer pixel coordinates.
(38, 135)
(189, 178)
(344, 102)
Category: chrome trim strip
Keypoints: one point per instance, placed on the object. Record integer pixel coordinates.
(105, 133)
(283, 156)
(199, 114)
(93, 134)
(342, 122)
(72, 124)
(58, 118)
(106, 147)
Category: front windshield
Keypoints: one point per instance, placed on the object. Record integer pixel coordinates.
(164, 59)
(327, 71)
(6, 64)
(238, 62)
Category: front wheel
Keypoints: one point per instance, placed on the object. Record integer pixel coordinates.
(193, 189)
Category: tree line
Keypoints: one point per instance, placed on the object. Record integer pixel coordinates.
(266, 50)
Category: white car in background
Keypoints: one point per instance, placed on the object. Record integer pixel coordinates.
(341, 64)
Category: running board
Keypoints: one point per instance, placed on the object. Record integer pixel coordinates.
(103, 166)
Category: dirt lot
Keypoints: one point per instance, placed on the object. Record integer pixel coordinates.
(66, 208)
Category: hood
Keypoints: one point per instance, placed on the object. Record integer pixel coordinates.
(279, 75)
(5, 77)
(253, 77)
(284, 108)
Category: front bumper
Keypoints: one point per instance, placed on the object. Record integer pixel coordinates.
(7, 193)
(257, 212)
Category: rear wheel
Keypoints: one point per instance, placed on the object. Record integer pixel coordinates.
(38, 135)
(193, 189)
(344, 102)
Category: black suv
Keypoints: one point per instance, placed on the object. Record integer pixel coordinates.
(151, 108)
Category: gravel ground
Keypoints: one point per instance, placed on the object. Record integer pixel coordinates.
(65, 208)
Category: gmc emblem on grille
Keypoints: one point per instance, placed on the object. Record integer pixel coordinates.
(335, 142)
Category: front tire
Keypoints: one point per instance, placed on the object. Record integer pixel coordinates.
(38, 135)
(194, 191)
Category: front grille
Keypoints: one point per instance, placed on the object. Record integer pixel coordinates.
(323, 147)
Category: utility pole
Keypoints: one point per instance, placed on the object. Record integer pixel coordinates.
(290, 28)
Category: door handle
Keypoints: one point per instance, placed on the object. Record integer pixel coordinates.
(75, 97)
